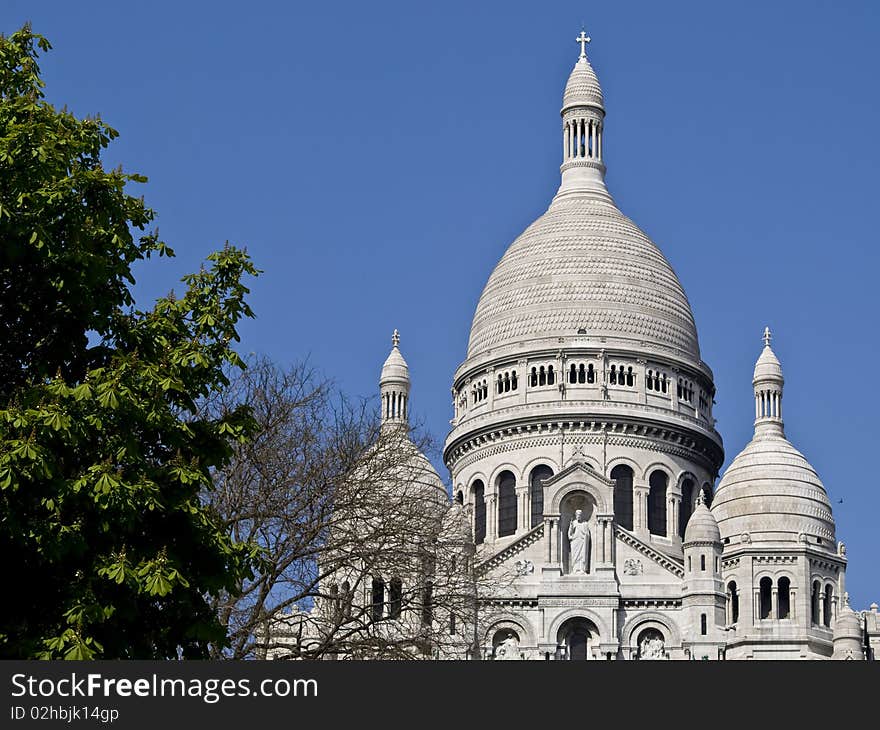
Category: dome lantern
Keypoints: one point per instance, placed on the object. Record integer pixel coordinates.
(583, 114)
(767, 382)
(394, 386)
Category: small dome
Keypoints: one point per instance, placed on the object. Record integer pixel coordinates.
(768, 366)
(456, 525)
(395, 367)
(583, 87)
(702, 527)
(772, 492)
(847, 624)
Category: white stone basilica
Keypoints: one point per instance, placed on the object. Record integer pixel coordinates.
(583, 454)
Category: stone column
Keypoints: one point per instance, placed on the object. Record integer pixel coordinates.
(523, 511)
(672, 516)
(594, 129)
(792, 604)
(491, 517)
(640, 510)
(565, 142)
(756, 607)
(548, 553)
(774, 602)
(599, 140)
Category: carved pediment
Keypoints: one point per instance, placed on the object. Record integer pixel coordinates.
(669, 564)
(578, 468)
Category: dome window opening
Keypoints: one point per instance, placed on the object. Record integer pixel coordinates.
(506, 486)
(378, 603)
(623, 495)
(479, 492)
(765, 598)
(687, 506)
(536, 489)
(657, 503)
(395, 598)
(783, 598)
(732, 603)
(703, 626)
(827, 606)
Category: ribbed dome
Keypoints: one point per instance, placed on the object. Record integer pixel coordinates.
(583, 87)
(702, 526)
(768, 366)
(773, 493)
(584, 265)
(395, 367)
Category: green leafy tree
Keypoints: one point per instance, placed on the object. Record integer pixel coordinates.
(108, 549)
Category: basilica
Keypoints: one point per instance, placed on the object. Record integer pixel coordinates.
(583, 457)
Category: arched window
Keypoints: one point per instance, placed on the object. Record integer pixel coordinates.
(459, 497)
(536, 491)
(500, 383)
(814, 602)
(479, 512)
(732, 603)
(649, 380)
(591, 374)
(687, 506)
(506, 504)
(542, 376)
(623, 495)
(657, 503)
(395, 598)
(506, 382)
(703, 563)
(829, 593)
(377, 607)
(703, 622)
(630, 378)
(765, 591)
(612, 376)
(533, 381)
(572, 373)
(551, 376)
(783, 598)
(513, 380)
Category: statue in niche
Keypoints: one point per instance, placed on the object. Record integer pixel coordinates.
(579, 545)
(652, 647)
(508, 649)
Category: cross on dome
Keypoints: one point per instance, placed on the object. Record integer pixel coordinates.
(395, 338)
(583, 39)
(767, 336)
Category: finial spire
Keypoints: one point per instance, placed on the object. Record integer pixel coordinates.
(768, 335)
(395, 338)
(583, 39)
(701, 499)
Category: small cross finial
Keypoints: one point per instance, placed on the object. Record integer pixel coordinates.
(583, 39)
(767, 337)
(395, 338)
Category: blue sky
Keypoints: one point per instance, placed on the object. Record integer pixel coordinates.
(378, 158)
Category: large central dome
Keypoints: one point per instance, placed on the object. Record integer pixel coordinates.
(584, 265)
(584, 268)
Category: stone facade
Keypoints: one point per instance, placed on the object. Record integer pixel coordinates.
(583, 407)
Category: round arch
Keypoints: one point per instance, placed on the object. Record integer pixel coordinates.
(585, 613)
(596, 494)
(492, 484)
(650, 620)
(659, 465)
(522, 628)
(537, 461)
